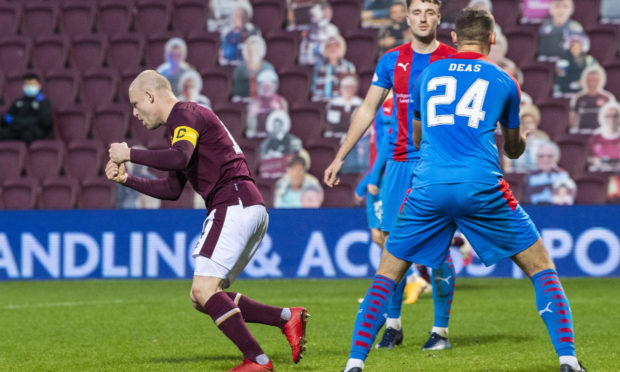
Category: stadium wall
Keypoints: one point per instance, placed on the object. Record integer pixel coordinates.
(309, 243)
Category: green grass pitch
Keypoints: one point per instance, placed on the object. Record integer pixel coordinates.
(150, 326)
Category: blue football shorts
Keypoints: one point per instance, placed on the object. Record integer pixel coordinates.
(394, 185)
(488, 215)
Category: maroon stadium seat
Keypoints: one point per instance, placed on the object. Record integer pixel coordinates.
(125, 51)
(586, 12)
(307, 121)
(202, 49)
(19, 193)
(110, 123)
(39, 18)
(362, 48)
(573, 150)
(613, 77)
(77, 17)
(538, 80)
(554, 117)
(185, 200)
(251, 154)
(84, 158)
(98, 87)
(114, 16)
(14, 52)
(152, 16)
(267, 188)
(321, 155)
(71, 123)
(126, 77)
(88, 52)
(216, 84)
(45, 158)
(365, 78)
(515, 180)
(58, 193)
(154, 50)
(189, 15)
(10, 17)
(282, 49)
(521, 46)
(604, 42)
(340, 196)
(233, 117)
(346, 14)
(295, 85)
(50, 52)
(268, 15)
(140, 135)
(506, 13)
(592, 188)
(96, 193)
(61, 87)
(12, 159)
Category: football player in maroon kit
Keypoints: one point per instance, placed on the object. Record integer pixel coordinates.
(203, 152)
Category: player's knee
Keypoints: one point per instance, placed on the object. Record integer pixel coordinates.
(377, 237)
(200, 295)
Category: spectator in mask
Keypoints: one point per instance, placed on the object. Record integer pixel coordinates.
(30, 117)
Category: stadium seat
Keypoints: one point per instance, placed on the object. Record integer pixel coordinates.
(98, 87)
(19, 193)
(321, 155)
(185, 200)
(125, 51)
(362, 48)
(573, 150)
(554, 117)
(152, 16)
(77, 17)
(586, 12)
(347, 14)
(282, 49)
(307, 122)
(443, 35)
(140, 135)
(268, 15)
(613, 77)
(190, 15)
(340, 196)
(45, 158)
(217, 84)
(2, 86)
(71, 123)
(58, 193)
(506, 13)
(295, 85)
(592, 188)
(267, 187)
(522, 45)
(538, 80)
(114, 16)
(39, 18)
(251, 154)
(515, 180)
(604, 42)
(50, 52)
(14, 53)
(96, 193)
(12, 159)
(84, 158)
(233, 117)
(202, 49)
(61, 87)
(154, 50)
(110, 123)
(88, 52)
(10, 18)
(365, 79)
(156, 141)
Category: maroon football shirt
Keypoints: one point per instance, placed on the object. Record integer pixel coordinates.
(203, 152)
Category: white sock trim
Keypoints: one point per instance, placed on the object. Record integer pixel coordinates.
(353, 363)
(286, 314)
(393, 323)
(442, 331)
(262, 359)
(570, 360)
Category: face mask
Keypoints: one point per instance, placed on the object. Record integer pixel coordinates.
(31, 90)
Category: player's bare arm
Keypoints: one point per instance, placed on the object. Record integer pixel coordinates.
(359, 125)
(514, 142)
(417, 133)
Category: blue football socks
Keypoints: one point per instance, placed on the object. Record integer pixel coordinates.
(371, 316)
(443, 291)
(554, 309)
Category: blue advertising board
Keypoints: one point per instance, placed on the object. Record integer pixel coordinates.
(309, 243)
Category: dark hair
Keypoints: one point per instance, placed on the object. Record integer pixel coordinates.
(31, 76)
(297, 160)
(474, 25)
(436, 2)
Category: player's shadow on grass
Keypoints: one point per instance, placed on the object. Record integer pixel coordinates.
(195, 358)
(474, 340)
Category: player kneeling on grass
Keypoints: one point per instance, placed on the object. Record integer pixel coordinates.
(457, 182)
(203, 152)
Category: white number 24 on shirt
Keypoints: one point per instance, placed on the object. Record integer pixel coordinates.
(470, 105)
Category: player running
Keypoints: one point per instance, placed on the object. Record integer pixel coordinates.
(398, 69)
(458, 183)
(203, 152)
